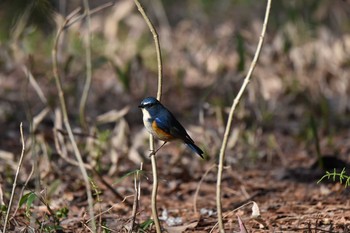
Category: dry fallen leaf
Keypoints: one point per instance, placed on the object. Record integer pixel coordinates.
(182, 228)
(242, 227)
(255, 210)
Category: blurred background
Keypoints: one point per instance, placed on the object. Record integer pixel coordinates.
(295, 110)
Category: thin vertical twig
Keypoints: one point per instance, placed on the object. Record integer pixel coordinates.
(88, 79)
(15, 180)
(66, 120)
(159, 95)
(229, 121)
(155, 186)
(135, 206)
(22, 191)
(157, 46)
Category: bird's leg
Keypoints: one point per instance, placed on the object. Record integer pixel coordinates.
(154, 152)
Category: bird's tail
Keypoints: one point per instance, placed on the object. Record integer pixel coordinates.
(196, 149)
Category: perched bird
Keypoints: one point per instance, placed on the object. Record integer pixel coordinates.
(162, 124)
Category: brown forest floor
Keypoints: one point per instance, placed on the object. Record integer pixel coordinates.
(271, 158)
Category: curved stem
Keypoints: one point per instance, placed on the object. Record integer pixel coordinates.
(229, 121)
(15, 180)
(159, 95)
(66, 120)
(88, 67)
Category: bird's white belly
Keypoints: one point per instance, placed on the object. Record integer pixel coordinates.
(146, 121)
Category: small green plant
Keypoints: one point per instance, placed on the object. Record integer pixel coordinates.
(28, 199)
(342, 176)
(56, 216)
(3, 211)
(314, 129)
(62, 213)
(97, 191)
(100, 146)
(105, 229)
(241, 52)
(124, 75)
(146, 225)
(136, 171)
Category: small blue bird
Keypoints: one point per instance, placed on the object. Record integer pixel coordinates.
(162, 124)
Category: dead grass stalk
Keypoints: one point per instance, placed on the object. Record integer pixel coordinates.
(159, 94)
(229, 120)
(66, 120)
(15, 180)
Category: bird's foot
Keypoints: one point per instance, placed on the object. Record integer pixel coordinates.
(153, 152)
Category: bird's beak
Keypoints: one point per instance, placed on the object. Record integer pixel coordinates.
(140, 106)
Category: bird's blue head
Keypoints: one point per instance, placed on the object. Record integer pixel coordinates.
(149, 102)
(150, 105)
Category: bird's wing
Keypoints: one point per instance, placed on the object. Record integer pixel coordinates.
(161, 129)
(163, 124)
(170, 125)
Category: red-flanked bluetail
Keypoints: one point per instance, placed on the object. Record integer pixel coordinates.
(162, 124)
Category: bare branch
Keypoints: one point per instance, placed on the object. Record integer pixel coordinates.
(229, 121)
